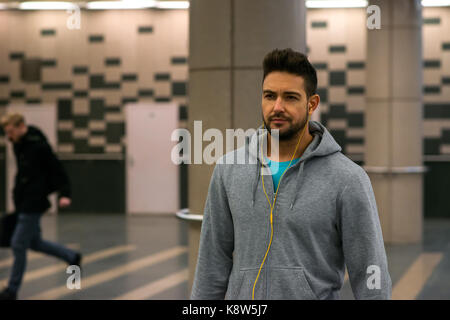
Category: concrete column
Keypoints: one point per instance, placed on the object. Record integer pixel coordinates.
(228, 41)
(393, 119)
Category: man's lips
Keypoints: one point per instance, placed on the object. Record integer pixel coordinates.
(278, 120)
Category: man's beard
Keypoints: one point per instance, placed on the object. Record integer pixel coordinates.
(290, 132)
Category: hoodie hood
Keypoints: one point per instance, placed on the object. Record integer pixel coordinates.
(323, 144)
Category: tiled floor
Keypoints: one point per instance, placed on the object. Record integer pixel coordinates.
(142, 257)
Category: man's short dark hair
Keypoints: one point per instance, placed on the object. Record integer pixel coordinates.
(290, 61)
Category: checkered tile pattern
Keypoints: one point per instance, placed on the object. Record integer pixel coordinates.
(337, 48)
(107, 66)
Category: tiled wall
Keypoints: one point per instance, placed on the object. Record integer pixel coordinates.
(336, 43)
(126, 56)
(116, 57)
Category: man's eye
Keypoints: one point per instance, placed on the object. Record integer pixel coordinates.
(269, 96)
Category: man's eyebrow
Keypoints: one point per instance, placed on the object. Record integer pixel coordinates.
(284, 92)
(292, 92)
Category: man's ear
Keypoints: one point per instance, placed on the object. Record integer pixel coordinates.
(313, 103)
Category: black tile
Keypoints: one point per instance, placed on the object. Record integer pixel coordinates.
(323, 93)
(48, 32)
(337, 78)
(163, 99)
(436, 20)
(145, 29)
(97, 133)
(145, 93)
(81, 122)
(356, 65)
(17, 94)
(64, 109)
(445, 80)
(114, 108)
(56, 86)
(129, 77)
(48, 63)
(112, 62)
(96, 81)
(97, 108)
(320, 65)
(34, 101)
(436, 110)
(355, 90)
(179, 88)
(4, 102)
(16, 55)
(30, 70)
(337, 49)
(80, 93)
(339, 136)
(431, 63)
(80, 70)
(96, 38)
(81, 146)
(354, 140)
(182, 112)
(126, 100)
(432, 145)
(96, 149)
(64, 136)
(445, 138)
(337, 111)
(446, 46)
(179, 60)
(114, 132)
(318, 24)
(162, 76)
(431, 89)
(355, 120)
(4, 78)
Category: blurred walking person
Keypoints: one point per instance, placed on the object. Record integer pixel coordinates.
(39, 173)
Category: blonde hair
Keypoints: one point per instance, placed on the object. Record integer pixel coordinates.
(13, 118)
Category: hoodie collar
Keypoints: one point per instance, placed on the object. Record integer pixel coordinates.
(323, 144)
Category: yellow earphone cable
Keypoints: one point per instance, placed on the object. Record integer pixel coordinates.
(272, 206)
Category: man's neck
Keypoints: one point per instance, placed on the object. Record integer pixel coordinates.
(286, 148)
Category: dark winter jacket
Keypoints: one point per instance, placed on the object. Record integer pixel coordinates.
(39, 173)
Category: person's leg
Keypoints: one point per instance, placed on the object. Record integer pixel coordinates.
(26, 227)
(51, 248)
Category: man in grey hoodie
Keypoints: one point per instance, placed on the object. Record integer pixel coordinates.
(289, 235)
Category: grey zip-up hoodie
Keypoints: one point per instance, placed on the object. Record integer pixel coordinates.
(325, 218)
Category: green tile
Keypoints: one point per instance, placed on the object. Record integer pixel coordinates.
(436, 20)
(337, 78)
(145, 29)
(318, 24)
(179, 88)
(337, 49)
(96, 38)
(48, 32)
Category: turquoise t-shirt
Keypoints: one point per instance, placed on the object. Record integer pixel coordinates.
(282, 167)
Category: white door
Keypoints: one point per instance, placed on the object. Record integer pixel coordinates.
(43, 117)
(152, 177)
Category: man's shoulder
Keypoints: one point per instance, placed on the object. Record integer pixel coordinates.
(344, 167)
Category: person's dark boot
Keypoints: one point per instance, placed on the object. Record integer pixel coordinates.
(7, 294)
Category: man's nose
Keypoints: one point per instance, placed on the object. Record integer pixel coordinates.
(279, 105)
